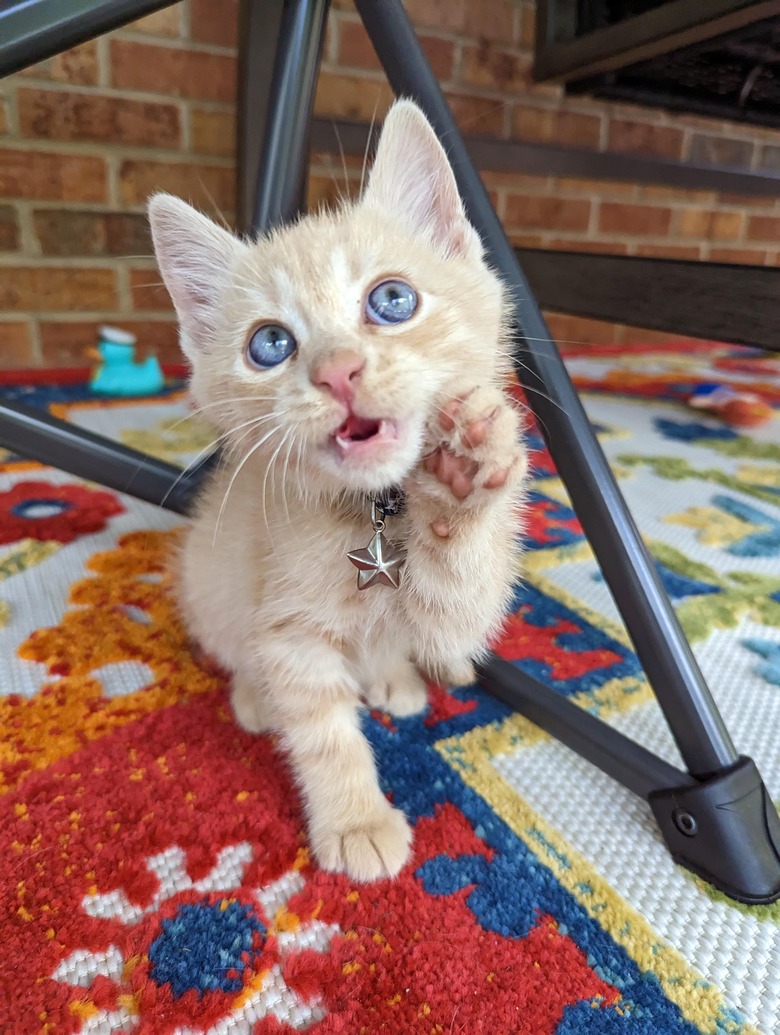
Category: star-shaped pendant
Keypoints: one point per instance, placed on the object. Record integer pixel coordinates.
(379, 564)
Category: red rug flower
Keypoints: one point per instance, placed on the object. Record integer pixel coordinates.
(49, 512)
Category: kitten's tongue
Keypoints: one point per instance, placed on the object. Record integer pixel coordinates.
(358, 429)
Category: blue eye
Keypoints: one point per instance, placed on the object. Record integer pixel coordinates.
(270, 345)
(392, 301)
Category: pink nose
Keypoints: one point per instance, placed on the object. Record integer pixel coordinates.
(338, 373)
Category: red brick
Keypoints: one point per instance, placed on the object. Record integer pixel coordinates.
(69, 232)
(594, 247)
(669, 251)
(46, 176)
(770, 158)
(213, 132)
(556, 126)
(325, 191)
(720, 150)
(9, 229)
(719, 226)
(645, 138)
(206, 186)
(56, 115)
(748, 201)
(481, 116)
(15, 345)
(440, 54)
(354, 47)
(764, 228)
(333, 164)
(438, 14)
(148, 291)
(687, 197)
(749, 256)
(528, 28)
(78, 65)
(527, 240)
(607, 189)
(166, 22)
(64, 342)
(56, 289)
(356, 50)
(578, 330)
(533, 211)
(173, 72)
(519, 182)
(619, 218)
(214, 21)
(496, 69)
(492, 21)
(352, 97)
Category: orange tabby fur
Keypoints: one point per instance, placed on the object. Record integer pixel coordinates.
(265, 584)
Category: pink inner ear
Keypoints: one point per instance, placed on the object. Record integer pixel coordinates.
(412, 177)
(447, 218)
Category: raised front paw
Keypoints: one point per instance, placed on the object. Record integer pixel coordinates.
(477, 450)
(377, 845)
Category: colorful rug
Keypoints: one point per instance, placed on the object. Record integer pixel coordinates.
(156, 878)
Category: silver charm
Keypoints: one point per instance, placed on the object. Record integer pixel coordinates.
(381, 562)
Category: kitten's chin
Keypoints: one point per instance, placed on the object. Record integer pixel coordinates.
(370, 455)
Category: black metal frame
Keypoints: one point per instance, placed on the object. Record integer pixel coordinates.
(717, 817)
(689, 298)
(664, 28)
(539, 159)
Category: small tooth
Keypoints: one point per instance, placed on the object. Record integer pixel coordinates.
(343, 442)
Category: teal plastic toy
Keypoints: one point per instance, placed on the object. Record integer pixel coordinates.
(118, 373)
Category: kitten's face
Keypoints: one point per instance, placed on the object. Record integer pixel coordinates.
(327, 347)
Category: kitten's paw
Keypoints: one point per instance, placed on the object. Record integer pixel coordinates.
(478, 451)
(402, 693)
(457, 673)
(249, 706)
(377, 848)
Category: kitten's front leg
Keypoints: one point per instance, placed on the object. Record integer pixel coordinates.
(462, 502)
(314, 704)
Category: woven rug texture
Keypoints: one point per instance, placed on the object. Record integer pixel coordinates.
(156, 878)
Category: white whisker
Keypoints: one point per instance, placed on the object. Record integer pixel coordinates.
(190, 466)
(270, 464)
(343, 162)
(235, 475)
(303, 491)
(368, 147)
(285, 465)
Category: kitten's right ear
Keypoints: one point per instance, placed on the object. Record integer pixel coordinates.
(196, 258)
(412, 179)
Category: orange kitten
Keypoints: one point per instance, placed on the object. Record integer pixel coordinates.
(349, 353)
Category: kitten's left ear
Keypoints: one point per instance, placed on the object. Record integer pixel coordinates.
(412, 180)
(196, 259)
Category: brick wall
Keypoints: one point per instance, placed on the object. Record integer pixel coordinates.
(86, 136)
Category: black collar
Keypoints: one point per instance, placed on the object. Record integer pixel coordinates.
(391, 502)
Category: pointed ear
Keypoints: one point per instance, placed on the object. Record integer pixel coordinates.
(412, 180)
(196, 259)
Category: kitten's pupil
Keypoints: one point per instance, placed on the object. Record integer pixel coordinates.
(269, 346)
(390, 302)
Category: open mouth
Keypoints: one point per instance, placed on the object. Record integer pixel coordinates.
(357, 429)
(361, 438)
